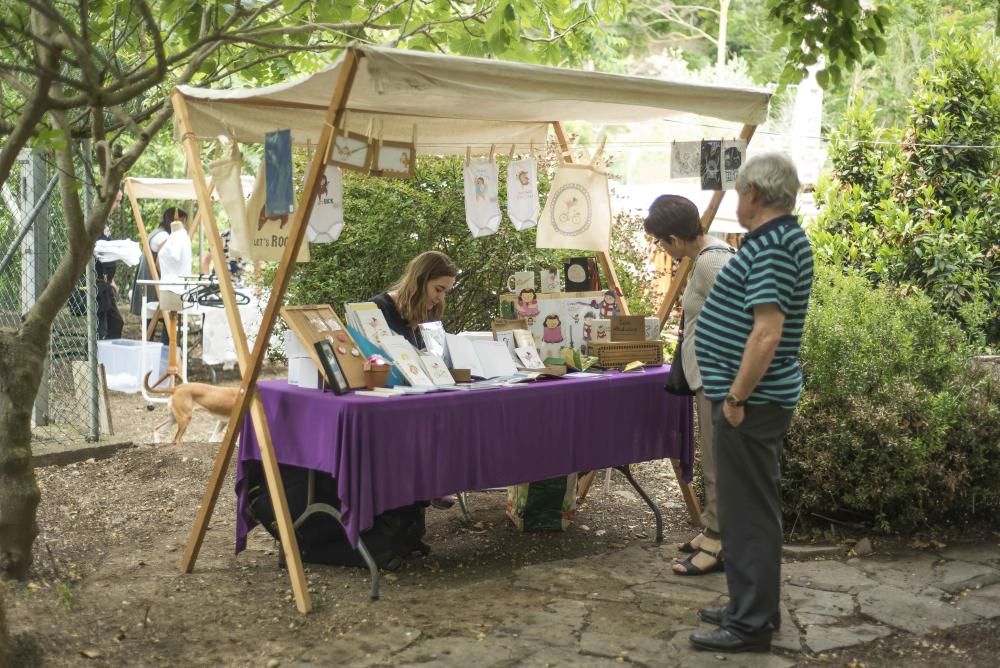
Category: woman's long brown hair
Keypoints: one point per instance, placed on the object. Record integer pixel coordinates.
(411, 288)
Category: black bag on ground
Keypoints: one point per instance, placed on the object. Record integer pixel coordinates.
(676, 381)
(394, 535)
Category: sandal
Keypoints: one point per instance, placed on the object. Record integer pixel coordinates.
(690, 568)
(687, 548)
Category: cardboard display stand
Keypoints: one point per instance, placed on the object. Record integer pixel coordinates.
(409, 89)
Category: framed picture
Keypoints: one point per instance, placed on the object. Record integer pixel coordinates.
(331, 367)
(394, 158)
(317, 322)
(351, 151)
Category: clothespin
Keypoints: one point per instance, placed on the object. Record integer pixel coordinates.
(510, 156)
(492, 148)
(413, 139)
(531, 147)
(468, 155)
(309, 150)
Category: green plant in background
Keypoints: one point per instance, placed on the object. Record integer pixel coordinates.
(894, 428)
(390, 221)
(924, 214)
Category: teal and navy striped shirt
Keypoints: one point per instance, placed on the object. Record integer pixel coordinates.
(774, 266)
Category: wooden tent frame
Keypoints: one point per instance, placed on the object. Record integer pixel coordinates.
(250, 361)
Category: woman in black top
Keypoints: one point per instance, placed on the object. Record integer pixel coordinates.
(418, 296)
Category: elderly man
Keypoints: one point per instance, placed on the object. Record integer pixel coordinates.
(747, 347)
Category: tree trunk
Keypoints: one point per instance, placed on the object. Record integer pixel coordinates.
(21, 361)
(720, 55)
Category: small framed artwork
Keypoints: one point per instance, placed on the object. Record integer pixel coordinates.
(351, 151)
(331, 367)
(394, 158)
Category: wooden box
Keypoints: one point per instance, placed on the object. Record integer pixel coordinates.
(618, 354)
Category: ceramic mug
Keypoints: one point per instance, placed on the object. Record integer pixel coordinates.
(521, 280)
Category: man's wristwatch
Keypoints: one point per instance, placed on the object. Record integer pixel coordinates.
(734, 401)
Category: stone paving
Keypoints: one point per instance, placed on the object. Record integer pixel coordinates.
(627, 607)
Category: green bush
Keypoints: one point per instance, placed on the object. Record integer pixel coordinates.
(894, 428)
(923, 212)
(391, 220)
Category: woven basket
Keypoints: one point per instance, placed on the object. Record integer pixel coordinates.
(614, 355)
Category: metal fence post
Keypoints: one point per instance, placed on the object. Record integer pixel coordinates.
(35, 258)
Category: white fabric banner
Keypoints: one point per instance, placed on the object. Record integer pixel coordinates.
(268, 235)
(577, 213)
(522, 193)
(482, 208)
(326, 221)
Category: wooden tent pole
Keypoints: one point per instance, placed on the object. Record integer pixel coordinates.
(604, 258)
(148, 252)
(583, 485)
(680, 278)
(249, 397)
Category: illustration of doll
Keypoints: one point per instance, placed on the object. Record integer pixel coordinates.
(588, 322)
(527, 304)
(609, 306)
(552, 335)
(523, 178)
(480, 188)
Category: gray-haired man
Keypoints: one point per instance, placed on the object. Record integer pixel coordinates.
(747, 346)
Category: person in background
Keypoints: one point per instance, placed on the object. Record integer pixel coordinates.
(419, 296)
(109, 320)
(747, 346)
(675, 224)
(156, 241)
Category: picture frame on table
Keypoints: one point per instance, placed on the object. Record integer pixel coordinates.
(351, 150)
(331, 367)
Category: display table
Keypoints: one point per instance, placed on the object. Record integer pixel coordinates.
(386, 453)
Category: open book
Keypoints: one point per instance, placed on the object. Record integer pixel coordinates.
(482, 357)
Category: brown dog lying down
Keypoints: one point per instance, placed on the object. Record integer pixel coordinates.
(184, 398)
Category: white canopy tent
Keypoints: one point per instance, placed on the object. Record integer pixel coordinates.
(457, 102)
(445, 105)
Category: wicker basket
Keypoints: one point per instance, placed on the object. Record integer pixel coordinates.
(616, 355)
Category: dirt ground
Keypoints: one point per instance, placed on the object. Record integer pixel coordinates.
(106, 590)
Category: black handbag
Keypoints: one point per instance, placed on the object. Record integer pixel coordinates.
(676, 381)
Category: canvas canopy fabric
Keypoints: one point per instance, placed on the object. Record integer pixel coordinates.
(176, 189)
(452, 102)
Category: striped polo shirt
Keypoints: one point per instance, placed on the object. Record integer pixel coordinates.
(774, 266)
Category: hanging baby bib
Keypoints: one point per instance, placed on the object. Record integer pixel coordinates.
(326, 221)
(522, 193)
(482, 210)
(577, 213)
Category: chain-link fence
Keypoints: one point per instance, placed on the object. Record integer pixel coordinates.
(68, 406)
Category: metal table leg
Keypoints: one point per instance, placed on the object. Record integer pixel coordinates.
(627, 472)
(313, 508)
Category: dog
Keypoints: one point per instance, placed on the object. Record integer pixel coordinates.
(184, 398)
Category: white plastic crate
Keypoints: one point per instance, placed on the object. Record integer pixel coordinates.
(126, 362)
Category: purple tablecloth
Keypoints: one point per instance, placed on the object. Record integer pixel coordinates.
(390, 452)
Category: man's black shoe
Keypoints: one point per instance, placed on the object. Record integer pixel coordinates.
(711, 615)
(721, 640)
